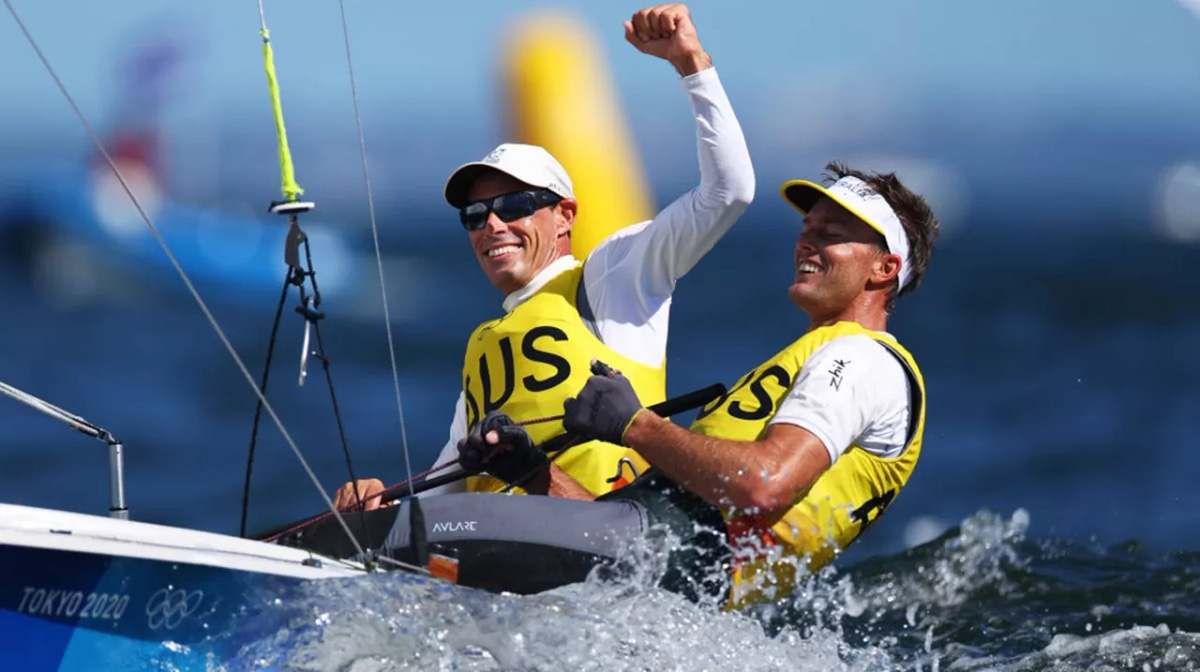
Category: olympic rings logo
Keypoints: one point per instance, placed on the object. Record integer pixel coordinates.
(167, 608)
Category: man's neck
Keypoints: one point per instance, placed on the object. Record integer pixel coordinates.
(872, 317)
(549, 272)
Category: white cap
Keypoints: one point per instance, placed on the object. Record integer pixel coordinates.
(530, 164)
(863, 202)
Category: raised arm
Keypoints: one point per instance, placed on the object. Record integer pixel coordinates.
(630, 276)
(657, 253)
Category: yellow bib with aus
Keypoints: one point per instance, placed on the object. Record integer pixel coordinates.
(528, 362)
(843, 502)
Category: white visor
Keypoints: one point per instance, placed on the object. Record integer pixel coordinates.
(863, 202)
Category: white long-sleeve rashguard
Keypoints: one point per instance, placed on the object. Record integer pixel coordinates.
(630, 276)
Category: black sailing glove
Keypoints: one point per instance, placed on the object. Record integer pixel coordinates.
(604, 408)
(511, 458)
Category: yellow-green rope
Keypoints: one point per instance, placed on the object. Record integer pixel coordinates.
(291, 190)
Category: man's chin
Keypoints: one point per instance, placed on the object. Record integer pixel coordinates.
(802, 295)
(507, 279)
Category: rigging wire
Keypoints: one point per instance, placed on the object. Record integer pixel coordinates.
(179, 268)
(387, 320)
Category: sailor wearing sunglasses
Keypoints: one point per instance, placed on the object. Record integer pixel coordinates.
(517, 205)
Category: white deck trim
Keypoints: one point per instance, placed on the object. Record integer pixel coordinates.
(84, 533)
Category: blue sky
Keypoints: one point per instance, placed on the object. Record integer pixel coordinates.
(808, 79)
(1021, 48)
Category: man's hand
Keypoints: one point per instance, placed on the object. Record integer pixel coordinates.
(345, 498)
(604, 408)
(501, 448)
(667, 31)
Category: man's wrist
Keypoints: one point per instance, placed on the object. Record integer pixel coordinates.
(692, 63)
(641, 422)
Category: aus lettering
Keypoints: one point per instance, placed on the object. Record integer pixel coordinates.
(534, 347)
(712, 406)
(761, 402)
(72, 603)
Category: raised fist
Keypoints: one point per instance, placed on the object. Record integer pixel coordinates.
(667, 31)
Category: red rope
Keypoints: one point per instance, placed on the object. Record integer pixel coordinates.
(401, 484)
(364, 500)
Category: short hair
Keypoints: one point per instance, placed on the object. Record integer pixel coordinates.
(920, 225)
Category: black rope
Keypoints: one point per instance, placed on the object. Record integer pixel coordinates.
(312, 315)
(262, 388)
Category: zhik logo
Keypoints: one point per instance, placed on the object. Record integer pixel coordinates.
(839, 365)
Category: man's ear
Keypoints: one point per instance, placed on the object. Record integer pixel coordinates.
(565, 215)
(887, 268)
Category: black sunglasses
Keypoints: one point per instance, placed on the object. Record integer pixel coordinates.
(508, 207)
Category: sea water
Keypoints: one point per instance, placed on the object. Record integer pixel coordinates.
(1050, 523)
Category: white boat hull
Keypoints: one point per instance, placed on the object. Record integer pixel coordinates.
(91, 592)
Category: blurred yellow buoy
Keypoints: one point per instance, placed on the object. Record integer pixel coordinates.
(560, 95)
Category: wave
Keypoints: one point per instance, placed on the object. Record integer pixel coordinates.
(980, 596)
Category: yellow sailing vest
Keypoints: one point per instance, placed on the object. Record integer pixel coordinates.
(528, 362)
(843, 502)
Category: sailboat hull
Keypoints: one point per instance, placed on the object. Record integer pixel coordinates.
(87, 592)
